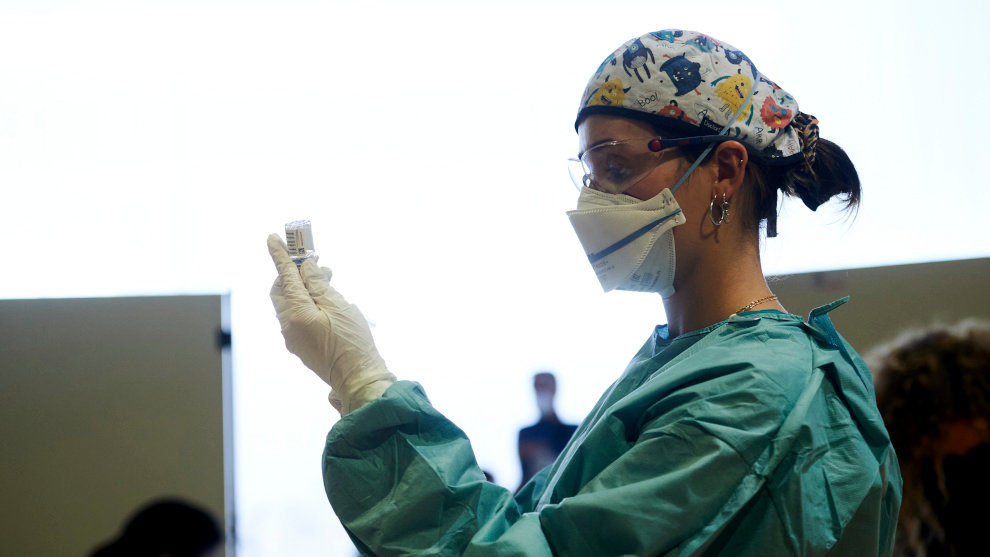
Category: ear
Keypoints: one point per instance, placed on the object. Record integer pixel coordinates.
(731, 158)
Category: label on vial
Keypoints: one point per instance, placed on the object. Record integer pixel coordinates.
(295, 240)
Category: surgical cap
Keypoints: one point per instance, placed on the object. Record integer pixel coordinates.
(693, 83)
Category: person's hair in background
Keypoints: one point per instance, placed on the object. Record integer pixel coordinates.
(166, 527)
(933, 390)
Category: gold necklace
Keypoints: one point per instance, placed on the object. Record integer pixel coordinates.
(754, 303)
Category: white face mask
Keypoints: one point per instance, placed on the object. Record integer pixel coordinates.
(630, 243)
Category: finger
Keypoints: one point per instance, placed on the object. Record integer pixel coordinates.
(314, 279)
(289, 282)
(279, 253)
(317, 281)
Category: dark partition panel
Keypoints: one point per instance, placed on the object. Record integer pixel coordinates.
(105, 404)
(886, 300)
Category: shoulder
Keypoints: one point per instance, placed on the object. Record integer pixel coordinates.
(745, 370)
(739, 384)
(773, 352)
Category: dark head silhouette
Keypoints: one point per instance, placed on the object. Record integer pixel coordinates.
(166, 527)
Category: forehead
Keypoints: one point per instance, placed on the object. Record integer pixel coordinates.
(599, 127)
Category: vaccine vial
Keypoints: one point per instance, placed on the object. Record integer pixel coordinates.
(299, 240)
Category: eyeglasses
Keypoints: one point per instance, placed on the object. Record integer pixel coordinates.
(615, 166)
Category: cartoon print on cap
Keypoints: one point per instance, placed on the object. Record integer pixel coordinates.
(635, 57)
(737, 57)
(776, 87)
(672, 111)
(733, 91)
(703, 43)
(774, 115)
(609, 60)
(684, 73)
(699, 81)
(667, 35)
(610, 93)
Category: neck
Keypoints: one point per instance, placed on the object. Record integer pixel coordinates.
(712, 289)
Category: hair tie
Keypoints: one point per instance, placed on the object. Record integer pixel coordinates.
(806, 126)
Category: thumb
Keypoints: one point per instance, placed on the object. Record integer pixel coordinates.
(289, 284)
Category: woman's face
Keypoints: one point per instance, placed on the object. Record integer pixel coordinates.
(598, 129)
(693, 196)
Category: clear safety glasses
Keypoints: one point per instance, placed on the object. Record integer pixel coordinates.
(614, 166)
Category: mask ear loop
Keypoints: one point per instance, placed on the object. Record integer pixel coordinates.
(739, 111)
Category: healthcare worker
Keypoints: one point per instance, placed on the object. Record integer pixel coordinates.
(737, 429)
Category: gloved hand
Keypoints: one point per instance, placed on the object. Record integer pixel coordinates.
(328, 334)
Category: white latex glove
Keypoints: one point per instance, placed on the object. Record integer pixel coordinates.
(328, 334)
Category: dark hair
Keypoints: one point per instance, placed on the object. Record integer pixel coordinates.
(832, 174)
(165, 526)
(926, 380)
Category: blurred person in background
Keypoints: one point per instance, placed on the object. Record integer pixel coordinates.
(933, 390)
(167, 528)
(541, 443)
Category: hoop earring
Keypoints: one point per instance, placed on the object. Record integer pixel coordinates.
(722, 209)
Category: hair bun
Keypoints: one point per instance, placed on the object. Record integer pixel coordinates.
(825, 174)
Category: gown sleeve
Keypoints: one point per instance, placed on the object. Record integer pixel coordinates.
(403, 479)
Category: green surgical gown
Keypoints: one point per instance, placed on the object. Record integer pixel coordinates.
(758, 435)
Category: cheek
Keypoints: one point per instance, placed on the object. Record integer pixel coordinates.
(691, 196)
(664, 176)
(644, 189)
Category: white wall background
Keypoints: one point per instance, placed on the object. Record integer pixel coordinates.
(149, 147)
